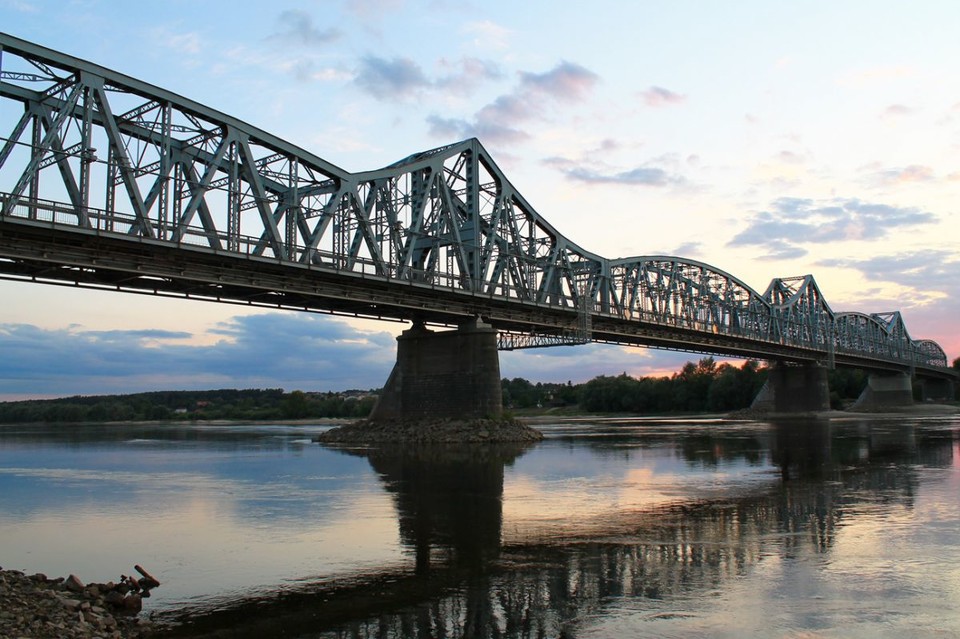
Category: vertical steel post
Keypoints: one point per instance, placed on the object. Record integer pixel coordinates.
(292, 214)
(233, 197)
(86, 154)
(163, 204)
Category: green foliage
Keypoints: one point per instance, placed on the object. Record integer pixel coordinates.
(696, 388)
(956, 364)
(250, 404)
(520, 393)
(846, 384)
(699, 387)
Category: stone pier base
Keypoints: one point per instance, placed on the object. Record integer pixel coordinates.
(443, 375)
(884, 391)
(795, 389)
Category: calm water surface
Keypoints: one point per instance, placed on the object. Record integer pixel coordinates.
(619, 528)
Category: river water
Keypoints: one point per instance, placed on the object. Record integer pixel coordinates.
(608, 528)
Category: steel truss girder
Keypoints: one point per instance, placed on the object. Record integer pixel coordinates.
(191, 178)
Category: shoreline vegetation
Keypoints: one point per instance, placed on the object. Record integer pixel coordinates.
(702, 387)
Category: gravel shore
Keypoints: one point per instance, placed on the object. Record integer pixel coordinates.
(35, 607)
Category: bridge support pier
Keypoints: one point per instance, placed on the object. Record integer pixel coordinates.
(801, 388)
(937, 390)
(443, 375)
(884, 391)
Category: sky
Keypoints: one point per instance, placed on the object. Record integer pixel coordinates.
(767, 139)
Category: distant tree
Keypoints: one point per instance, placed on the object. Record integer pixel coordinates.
(295, 405)
(846, 385)
(956, 364)
(610, 394)
(520, 393)
(692, 385)
(695, 388)
(566, 394)
(723, 394)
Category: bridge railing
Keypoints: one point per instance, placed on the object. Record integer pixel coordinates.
(195, 237)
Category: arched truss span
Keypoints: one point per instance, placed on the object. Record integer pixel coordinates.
(688, 294)
(931, 353)
(95, 152)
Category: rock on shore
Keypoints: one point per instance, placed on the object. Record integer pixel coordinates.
(440, 431)
(35, 607)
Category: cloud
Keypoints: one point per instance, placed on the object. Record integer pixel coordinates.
(296, 27)
(487, 34)
(658, 97)
(929, 270)
(142, 336)
(780, 250)
(367, 9)
(182, 42)
(592, 171)
(297, 45)
(914, 173)
(639, 176)
(403, 78)
(566, 81)
(895, 110)
(792, 222)
(288, 350)
(270, 350)
(306, 70)
(23, 7)
(467, 73)
(455, 128)
(789, 157)
(688, 249)
(388, 79)
(500, 120)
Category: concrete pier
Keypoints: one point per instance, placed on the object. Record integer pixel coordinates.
(938, 390)
(801, 388)
(443, 375)
(883, 391)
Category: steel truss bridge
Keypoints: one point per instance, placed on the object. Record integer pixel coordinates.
(109, 182)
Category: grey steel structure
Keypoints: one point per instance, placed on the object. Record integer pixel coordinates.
(109, 182)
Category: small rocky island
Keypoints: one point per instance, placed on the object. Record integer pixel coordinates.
(458, 431)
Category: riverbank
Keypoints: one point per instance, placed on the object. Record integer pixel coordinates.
(37, 607)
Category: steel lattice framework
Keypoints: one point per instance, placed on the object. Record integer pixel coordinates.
(110, 182)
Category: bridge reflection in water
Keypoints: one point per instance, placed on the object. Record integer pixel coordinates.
(473, 579)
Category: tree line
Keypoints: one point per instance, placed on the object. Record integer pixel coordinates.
(704, 386)
(697, 387)
(231, 404)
